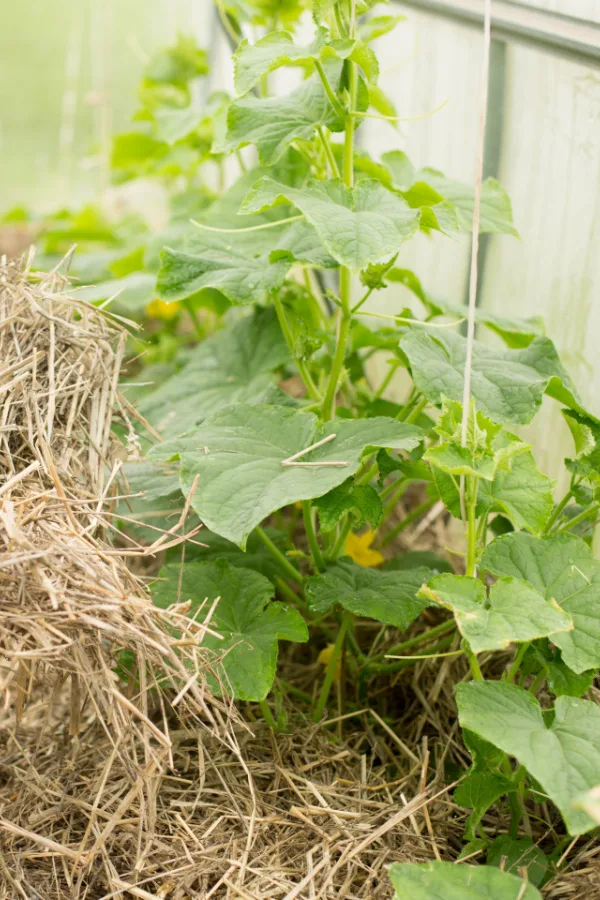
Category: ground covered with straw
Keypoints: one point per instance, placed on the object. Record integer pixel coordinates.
(155, 788)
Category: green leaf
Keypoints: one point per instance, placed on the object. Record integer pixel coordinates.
(508, 385)
(357, 226)
(252, 61)
(586, 437)
(478, 792)
(135, 148)
(249, 624)
(563, 757)
(515, 611)
(240, 275)
(514, 855)
(377, 26)
(388, 597)
(562, 568)
(233, 366)
(519, 491)
(495, 213)
(447, 881)
(272, 123)
(239, 452)
(416, 558)
(362, 501)
(173, 124)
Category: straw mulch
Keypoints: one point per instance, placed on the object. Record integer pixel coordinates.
(126, 788)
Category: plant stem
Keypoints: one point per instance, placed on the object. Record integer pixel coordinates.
(397, 665)
(335, 172)
(345, 312)
(471, 563)
(422, 638)
(196, 323)
(339, 109)
(415, 513)
(473, 664)
(362, 300)
(512, 672)
(557, 511)
(268, 715)
(284, 588)
(313, 543)
(331, 667)
(390, 374)
(586, 514)
(311, 387)
(291, 570)
(340, 543)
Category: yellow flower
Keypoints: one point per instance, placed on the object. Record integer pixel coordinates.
(158, 309)
(358, 547)
(325, 656)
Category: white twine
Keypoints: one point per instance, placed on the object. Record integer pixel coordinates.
(485, 78)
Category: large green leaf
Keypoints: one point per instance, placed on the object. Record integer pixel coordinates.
(515, 610)
(357, 226)
(447, 881)
(272, 123)
(241, 276)
(562, 568)
(495, 210)
(233, 366)
(563, 757)
(252, 61)
(508, 385)
(245, 266)
(478, 791)
(238, 454)
(521, 493)
(249, 624)
(389, 597)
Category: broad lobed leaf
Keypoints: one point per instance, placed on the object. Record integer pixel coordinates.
(515, 612)
(249, 624)
(563, 568)
(238, 454)
(447, 881)
(563, 756)
(386, 596)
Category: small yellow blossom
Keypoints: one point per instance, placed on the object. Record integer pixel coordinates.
(325, 656)
(358, 547)
(158, 309)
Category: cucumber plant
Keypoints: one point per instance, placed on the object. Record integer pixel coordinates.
(297, 490)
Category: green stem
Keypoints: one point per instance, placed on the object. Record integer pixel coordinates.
(268, 715)
(397, 488)
(362, 301)
(291, 570)
(557, 511)
(473, 664)
(339, 109)
(471, 488)
(422, 638)
(340, 543)
(328, 152)
(410, 517)
(512, 672)
(586, 514)
(515, 807)
(284, 588)
(331, 667)
(398, 665)
(311, 387)
(196, 323)
(313, 543)
(390, 374)
(345, 312)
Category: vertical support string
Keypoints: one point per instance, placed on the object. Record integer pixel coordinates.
(485, 77)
